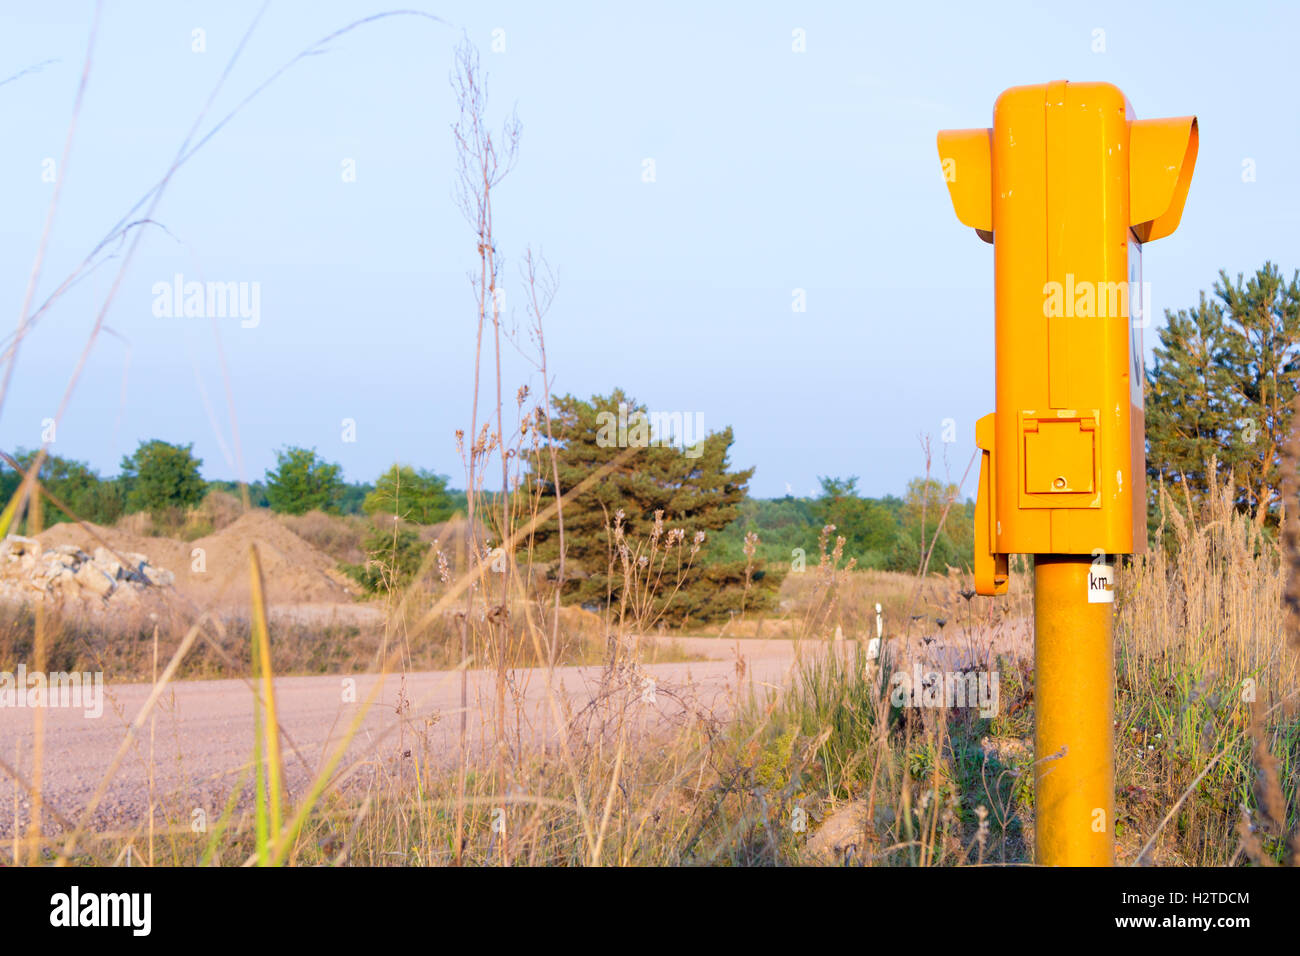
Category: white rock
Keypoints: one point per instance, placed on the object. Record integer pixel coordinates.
(17, 544)
(158, 577)
(67, 573)
(62, 579)
(93, 579)
(108, 563)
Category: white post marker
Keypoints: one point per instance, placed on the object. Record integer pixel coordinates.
(880, 622)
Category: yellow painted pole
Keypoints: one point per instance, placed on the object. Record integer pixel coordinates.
(1068, 185)
(1074, 731)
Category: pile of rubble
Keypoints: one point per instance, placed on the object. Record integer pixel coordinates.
(66, 572)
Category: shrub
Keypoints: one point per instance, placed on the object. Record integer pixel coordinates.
(392, 559)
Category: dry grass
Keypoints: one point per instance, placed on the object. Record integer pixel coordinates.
(122, 646)
(1200, 648)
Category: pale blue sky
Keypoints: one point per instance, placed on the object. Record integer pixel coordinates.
(775, 170)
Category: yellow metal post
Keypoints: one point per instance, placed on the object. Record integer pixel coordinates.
(1074, 732)
(1067, 185)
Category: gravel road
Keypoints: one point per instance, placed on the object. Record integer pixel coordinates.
(199, 742)
(201, 738)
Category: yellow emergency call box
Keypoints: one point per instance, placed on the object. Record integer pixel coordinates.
(1067, 185)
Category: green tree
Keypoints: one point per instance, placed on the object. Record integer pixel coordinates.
(302, 481)
(694, 488)
(1221, 384)
(417, 496)
(75, 483)
(160, 476)
(393, 556)
(920, 516)
(353, 499)
(782, 524)
(868, 527)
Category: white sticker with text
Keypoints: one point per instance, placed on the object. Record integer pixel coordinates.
(1101, 584)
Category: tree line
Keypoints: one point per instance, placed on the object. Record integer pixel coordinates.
(164, 480)
(696, 504)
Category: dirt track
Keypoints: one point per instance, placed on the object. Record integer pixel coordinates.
(203, 732)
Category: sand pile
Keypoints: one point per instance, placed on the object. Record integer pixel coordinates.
(213, 571)
(294, 571)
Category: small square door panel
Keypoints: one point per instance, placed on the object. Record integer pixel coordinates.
(1060, 456)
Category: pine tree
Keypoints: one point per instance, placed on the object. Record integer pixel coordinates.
(693, 487)
(1261, 363)
(1221, 386)
(1186, 413)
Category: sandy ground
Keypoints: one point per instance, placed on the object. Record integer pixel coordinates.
(200, 740)
(202, 736)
